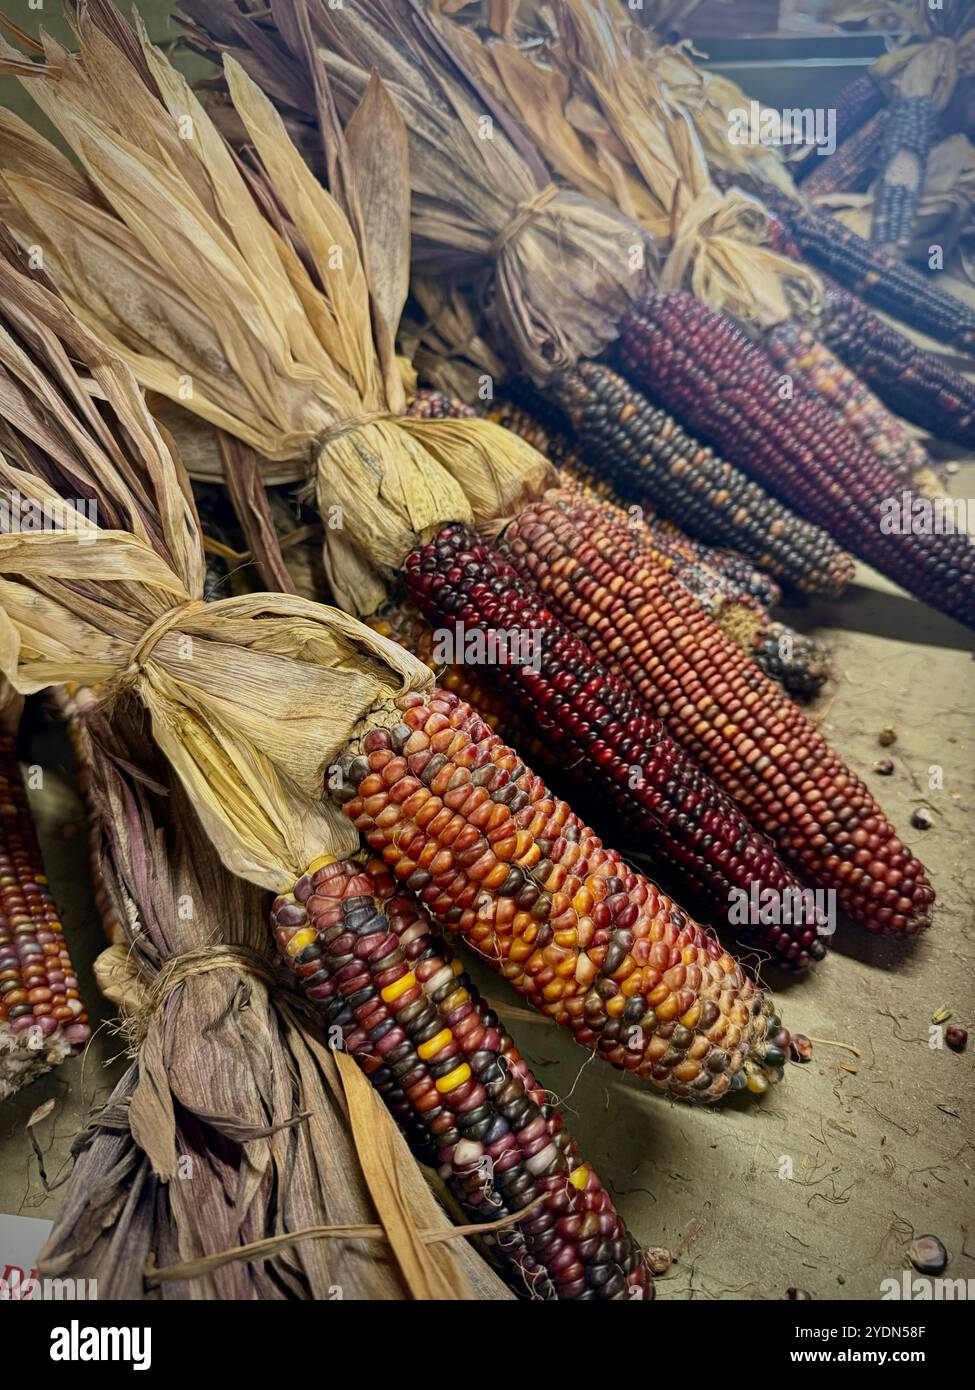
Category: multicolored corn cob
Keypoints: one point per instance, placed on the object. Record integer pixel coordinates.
(608, 745)
(916, 384)
(737, 723)
(821, 375)
(646, 453)
(365, 954)
(42, 1018)
(850, 168)
(908, 139)
(598, 948)
(736, 577)
(701, 366)
(874, 274)
(858, 103)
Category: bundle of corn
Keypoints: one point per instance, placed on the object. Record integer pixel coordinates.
(741, 726)
(366, 956)
(231, 1086)
(277, 687)
(797, 445)
(42, 1018)
(648, 456)
(468, 827)
(936, 50)
(859, 108)
(379, 471)
(797, 353)
(250, 699)
(872, 273)
(849, 169)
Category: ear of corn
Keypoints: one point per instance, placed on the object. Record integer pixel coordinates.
(850, 168)
(873, 273)
(645, 453)
(492, 855)
(738, 724)
(707, 371)
(605, 741)
(796, 352)
(42, 1018)
(365, 954)
(908, 138)
(858, 103)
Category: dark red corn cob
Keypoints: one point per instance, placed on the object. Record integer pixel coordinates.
(857, 104)
(705, 370)
(366, 955)
(909, 136)
(871, 272)
(609, 745)
(598, 948)
(737, 723)
(646, 454)
(850, 168)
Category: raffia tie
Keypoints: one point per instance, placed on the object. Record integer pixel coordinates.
(523, 214)
(327, 437)
(143, 649)
(138, 1016)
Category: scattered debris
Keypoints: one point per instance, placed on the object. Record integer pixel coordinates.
(922, 819)
(802, 1048)
(850, 1067)
(927, 1254)
(941, 1015)
(956, 1038)
(798, 1294)
(658, 1259)
(886, 737)
(833, 1042)
(884, 767)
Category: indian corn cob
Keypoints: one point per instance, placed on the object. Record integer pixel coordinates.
(700, 365)
(849, 168)
(645, 452)
(605, 739)
(858, 103)
(916, 384)
(796, 352)
(366, 954)
(908, 138)
(874, 274)
(733, 591)
(737, 577)
(42, 1018)
(737, 723)
(492, 855)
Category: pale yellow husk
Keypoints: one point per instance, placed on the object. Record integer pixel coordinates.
(213, 307)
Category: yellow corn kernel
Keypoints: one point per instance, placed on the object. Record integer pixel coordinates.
(436, 1044)
(579, 1177)
(398, 987)
(305, 937)
(454, 1078)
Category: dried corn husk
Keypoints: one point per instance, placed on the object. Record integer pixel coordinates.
(936, 51)
(272, 327)
(233, 1123)
(556, 269)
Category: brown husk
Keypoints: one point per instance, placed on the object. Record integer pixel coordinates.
(233, 1122)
